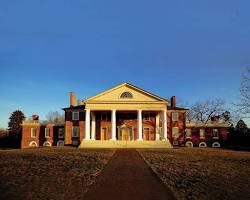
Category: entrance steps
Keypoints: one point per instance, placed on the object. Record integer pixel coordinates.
(125, 144)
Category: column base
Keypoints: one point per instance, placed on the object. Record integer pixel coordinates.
(86, 139)
(113, 139)
(139, 140)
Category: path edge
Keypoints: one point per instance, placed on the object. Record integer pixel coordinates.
(156, 174)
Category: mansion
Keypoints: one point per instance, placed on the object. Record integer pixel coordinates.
(124, 116)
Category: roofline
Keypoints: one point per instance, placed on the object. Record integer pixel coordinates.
(124, 84)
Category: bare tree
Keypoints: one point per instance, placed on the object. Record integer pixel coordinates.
(54, 117)
(203, 111)
(243, 106)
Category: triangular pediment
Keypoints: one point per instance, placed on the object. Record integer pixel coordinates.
(125, 93)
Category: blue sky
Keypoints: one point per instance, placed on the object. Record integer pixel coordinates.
(193, 49)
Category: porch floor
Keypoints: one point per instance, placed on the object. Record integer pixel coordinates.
(124, 144)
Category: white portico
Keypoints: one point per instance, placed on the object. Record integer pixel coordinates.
(125, 112)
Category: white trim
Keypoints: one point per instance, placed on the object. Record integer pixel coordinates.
(216, 145)
(93, 126)
(31, 132)
(113, 124)
(203, 144)
(139, 124)
(75, 117)
(78, 130)
(189, 144)
(87, 124)
(45, 132)
(175, 116)
(32, 142)
(202, 133)
(47, 142)
(164, 122)
(128, 94)
(60, 141)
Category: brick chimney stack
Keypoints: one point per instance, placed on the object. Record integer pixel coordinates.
(72, 99)
(173, 101)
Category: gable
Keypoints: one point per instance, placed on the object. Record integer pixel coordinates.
(125, 93)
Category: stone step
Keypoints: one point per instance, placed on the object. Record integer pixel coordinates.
(124, 144)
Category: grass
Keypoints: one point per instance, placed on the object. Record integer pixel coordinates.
(195, 173)
(49, 173)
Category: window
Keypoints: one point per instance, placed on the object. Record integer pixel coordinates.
(202, 134)
(188, 133)
(175, 132)
(75, 142)
(175, 116)
(33, 144)
(60, 143)
(47, 144)
(33, 132)
(146, 116)
(47, 135)
(126, 95)
(104, 116)
(75, 131)
(75, 115)
(215, 133)
(60, 133)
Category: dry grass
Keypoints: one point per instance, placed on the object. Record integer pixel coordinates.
(194, 173)
(49, 173)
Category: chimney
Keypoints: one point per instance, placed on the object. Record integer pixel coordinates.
(35, 117)
(79, 102)
(72, 98)
(215, 119)
(173, 101)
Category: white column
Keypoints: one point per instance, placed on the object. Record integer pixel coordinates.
(139, 124)
(164, 124)
(113, 121)
(92, 126)
(157, 127)
(87, 124)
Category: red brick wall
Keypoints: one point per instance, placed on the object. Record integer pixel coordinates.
(26, 135)
(209, 139)
(181, 124)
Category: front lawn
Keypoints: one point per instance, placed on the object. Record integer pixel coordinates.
(195, 173)
(49, 173)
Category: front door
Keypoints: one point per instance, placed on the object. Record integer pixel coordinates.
(104, 134)
(126, 133)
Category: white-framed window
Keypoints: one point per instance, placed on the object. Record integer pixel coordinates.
(146, 116)
(47, 144)
(175, 132)
(175, 116)
(203, 144)
(33, 144)
(126, 95)
(216, 145)
(33, 132)
(75, 131)
(188, 133)
(60, 133)
(189, 144)
(202, 133)
(104, 116)
(47, 132)
(75, 115)
(215, 133)
(60, 143)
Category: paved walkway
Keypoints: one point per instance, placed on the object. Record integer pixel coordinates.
(126, 176)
